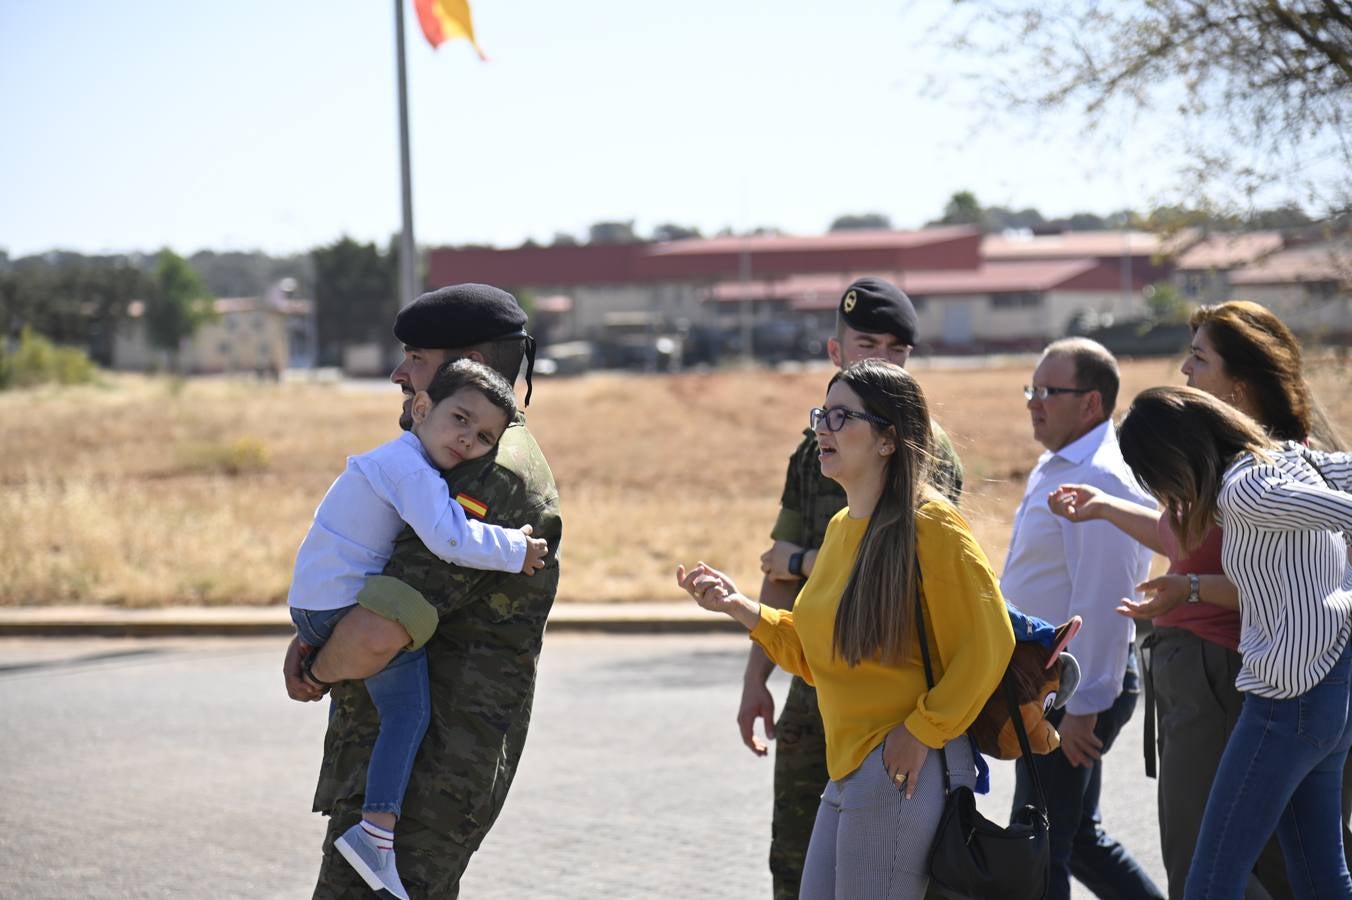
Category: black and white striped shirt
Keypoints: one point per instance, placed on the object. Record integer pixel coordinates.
(1285, 551)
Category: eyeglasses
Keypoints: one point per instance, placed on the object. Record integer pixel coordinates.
(835, 417)
(1042, 392)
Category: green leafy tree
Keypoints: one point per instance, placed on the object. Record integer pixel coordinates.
(72, 299)
(962, 209)
(1166, 304)
(356, 296)
(861, 221)
(669, 231)
(177, 306)
(612, 233)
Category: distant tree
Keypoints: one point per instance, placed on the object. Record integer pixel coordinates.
(177, 305)
(356, 296)
(75, 301)
(612, 233)
(239, 273)
(672, 232)
(861, 221)
(1280, 217)
(563, 239)
(1166, 304)
(1001, 218)
(962, 209)
(1084, 221)
(1260, 90)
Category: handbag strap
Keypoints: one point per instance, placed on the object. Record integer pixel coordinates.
(1014, 715)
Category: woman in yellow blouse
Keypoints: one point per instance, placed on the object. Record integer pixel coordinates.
(852, 634)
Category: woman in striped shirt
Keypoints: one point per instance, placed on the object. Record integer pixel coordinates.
(1283, 511)
(1243, 354)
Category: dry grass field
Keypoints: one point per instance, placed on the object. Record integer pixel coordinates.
(144, 492)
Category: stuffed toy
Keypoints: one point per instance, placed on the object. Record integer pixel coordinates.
(1043, 677)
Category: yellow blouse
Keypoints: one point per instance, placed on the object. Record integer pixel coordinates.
(968, 628)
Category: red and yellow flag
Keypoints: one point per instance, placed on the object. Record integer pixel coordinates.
(476, 508)
(446, 20)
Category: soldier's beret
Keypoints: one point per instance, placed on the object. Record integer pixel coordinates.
(875, 306)
(459, 316)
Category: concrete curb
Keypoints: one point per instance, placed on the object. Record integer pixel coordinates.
(195, 621)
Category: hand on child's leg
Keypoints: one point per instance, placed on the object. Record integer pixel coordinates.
(362, 644)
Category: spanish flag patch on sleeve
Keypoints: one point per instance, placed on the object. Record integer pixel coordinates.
(476, 508)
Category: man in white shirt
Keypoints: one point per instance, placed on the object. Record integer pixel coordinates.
(1056, 569)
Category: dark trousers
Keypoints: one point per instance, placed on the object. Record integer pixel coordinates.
(1079, 845)
(1197, 707)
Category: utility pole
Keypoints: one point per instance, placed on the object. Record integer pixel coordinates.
(408, 252)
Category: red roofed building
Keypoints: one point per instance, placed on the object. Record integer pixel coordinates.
(973, 291)
(1309, 288)
(1202, 272)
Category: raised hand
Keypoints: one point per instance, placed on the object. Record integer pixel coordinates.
(1161, 595)
(710, 587)
(1076, 502)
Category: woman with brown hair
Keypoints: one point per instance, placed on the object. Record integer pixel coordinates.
(1283, 509)
(1244, 355)
(852, 633)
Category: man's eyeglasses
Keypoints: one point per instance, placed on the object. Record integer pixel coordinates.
(835, 418)
(1042, 392)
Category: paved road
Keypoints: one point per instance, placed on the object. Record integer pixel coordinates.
(177, 768)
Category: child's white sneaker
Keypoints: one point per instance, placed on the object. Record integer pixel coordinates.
(370, 850)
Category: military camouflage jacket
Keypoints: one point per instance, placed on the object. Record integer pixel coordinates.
(481, 661)
(810, 499)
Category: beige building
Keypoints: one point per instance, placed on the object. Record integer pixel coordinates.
(1309, 288)
(261, 335)
(1202, 272)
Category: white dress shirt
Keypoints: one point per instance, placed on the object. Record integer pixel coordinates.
(365, 509)
(1056, 569)
(1284, 552)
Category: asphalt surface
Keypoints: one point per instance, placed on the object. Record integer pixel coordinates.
(176, 767)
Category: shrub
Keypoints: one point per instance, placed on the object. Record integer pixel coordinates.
(238, 457)
(38, 361)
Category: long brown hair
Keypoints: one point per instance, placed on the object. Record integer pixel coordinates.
(1179, 441)
(874, 618)
(1261, 353)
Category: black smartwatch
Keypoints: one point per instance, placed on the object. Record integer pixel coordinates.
(796, 564)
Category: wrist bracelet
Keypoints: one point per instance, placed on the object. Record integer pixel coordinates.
(796, 563)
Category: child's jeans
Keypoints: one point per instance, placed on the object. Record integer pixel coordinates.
(1282, 769)
(402, 698)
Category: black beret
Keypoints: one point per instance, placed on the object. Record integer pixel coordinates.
(459, 316)
(874, 306)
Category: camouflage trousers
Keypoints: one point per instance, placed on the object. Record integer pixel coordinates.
(800, 778)
(430, 863)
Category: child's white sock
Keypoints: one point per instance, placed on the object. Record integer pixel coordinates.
(379, 837)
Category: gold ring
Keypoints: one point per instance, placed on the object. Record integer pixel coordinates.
(899, 778)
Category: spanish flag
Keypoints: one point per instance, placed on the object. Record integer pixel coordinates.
(476, 508)
(446, 20)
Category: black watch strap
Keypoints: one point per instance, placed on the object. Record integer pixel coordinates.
(796, 563)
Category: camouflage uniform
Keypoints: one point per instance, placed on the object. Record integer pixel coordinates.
(481, 665)
(809, 501)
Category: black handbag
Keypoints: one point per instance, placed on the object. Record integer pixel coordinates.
(971, 856)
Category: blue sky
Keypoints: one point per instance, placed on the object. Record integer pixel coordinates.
(272, 125)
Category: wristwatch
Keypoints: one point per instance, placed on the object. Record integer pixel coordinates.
(796, 563)
(1194, 589)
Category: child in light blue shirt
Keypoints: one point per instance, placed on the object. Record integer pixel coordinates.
(461, 416)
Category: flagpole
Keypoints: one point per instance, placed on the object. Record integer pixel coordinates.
(408, 257)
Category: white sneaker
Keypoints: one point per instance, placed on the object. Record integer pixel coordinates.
(374, 864)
